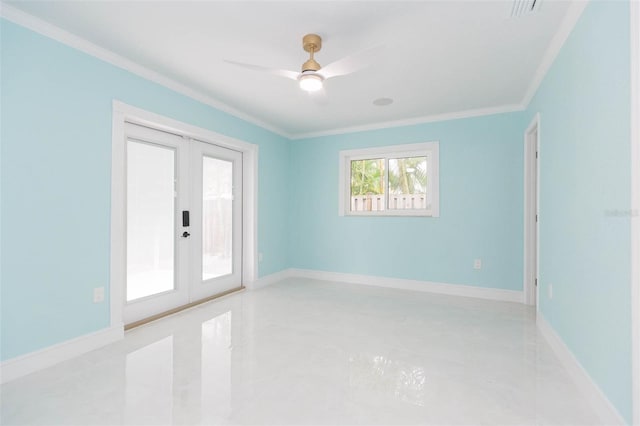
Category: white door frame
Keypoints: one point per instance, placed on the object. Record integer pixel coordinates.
(635, 206)
(531, 196)
(123, 112)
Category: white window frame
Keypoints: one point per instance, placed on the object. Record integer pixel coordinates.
(425, 149)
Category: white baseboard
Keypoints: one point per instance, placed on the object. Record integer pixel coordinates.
(32, 362)
(415, 285)
(268, 280)
(14, 368)
(597, 399)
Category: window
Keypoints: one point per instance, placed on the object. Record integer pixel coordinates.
(399, 180)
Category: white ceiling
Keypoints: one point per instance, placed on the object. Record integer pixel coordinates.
(441, 57)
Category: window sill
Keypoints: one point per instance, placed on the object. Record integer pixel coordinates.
(387, 213)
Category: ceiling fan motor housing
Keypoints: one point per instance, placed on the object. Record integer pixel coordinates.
(310, 65)
(311, 43)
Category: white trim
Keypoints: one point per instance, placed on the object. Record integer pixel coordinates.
(397, 283)
(430, 149)
(343, 175)
(566, 27)
(635, 205)
(20, 366)
(250, 214)
(147, 118)
(270, 279)
(117, 260)
(597, 399)
(122, 112)
(405, 149)
(56, 33)
(531, 173)
(49, 30)
(412, 121)
(414, 285)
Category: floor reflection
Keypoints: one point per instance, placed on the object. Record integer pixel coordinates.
(149, 384)
(215, 396)
(379, 375)
(306, 352)
(160, 375)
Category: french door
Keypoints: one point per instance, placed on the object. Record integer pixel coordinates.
(216, 203)
(183, 221)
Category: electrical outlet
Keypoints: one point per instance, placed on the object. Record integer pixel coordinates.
(260, 257)
(550, 291)
(98, 295)
(477, 264)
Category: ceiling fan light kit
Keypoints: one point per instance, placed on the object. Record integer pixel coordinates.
(310, 81)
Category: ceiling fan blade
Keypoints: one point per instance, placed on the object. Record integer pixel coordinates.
(282, 73)
(351, 63)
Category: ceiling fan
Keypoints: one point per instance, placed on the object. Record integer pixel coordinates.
(313, 75)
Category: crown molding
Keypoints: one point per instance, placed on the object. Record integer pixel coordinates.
(54, 32)
(49, 30)
(413, 121)
(566, 27)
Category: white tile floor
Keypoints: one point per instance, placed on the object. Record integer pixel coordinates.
(311, 352)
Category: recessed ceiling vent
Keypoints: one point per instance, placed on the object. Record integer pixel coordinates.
(524, 7)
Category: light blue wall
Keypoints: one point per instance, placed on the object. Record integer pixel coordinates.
(56, 165)
(481, 208)
(55, 170)
(585, 178)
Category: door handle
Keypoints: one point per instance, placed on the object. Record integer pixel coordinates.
(185, 234)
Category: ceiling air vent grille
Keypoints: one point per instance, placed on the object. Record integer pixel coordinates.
(524, 7)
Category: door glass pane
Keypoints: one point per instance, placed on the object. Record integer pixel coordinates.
(150, 219)
(408, 183)
(367, 185)
(217, 218)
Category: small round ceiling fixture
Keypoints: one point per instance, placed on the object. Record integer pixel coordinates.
(383, 101)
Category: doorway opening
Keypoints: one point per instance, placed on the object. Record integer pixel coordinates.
(531, 214)
(183, 215)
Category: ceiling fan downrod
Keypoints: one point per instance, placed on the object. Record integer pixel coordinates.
(311, 43)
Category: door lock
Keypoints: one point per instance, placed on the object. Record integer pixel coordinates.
(185, 234)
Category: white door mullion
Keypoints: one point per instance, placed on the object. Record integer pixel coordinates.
(183, 189)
